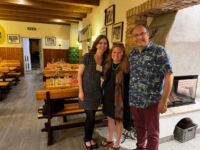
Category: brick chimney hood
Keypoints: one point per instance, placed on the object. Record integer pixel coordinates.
(158, 10)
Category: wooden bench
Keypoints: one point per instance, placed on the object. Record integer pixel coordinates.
(42, 95)
(4, 84)
(14, 74)
(7, 80)
(69, 109)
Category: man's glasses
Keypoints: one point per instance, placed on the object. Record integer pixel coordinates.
(140, 34)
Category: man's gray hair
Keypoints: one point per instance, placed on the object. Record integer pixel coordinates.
(140, 25)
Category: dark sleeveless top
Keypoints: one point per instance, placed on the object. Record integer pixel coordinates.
(91, 83)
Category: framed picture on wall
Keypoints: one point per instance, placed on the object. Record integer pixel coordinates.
(85, 34)
(80, 36)
(117, 32)
(50, 41)
(13, 38)
(103, 31)
(110, 15)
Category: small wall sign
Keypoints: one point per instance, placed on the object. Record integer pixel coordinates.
(31, 28)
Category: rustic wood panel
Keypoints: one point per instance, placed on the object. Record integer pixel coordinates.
(56, 54)
(11, 53)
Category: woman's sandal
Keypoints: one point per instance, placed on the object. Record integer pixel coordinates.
(114, 148)
(94, 144)
(105, 143)
(88, 147)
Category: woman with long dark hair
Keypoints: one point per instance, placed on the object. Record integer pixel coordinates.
(89, 74)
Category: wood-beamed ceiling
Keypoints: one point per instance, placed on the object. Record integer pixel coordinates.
(46, 11)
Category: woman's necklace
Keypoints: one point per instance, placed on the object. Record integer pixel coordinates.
(115, 67)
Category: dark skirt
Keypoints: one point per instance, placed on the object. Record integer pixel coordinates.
(108, 108)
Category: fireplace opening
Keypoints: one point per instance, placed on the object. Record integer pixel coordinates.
(183, 91)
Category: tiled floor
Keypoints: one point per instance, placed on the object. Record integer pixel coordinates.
(21, 130)
(193, 144)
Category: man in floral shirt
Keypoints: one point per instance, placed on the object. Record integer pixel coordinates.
(151, 81)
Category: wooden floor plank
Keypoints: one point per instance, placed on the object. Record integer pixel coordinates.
(19, 127)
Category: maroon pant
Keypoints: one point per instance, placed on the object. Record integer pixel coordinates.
(147, 127)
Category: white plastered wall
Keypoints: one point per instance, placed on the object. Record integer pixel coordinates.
(183, 43)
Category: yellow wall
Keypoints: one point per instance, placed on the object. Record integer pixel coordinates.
(96, 18)
(73, 35)
(61, 32)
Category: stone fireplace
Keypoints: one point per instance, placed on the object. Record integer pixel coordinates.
(151, 9)
(165, 19)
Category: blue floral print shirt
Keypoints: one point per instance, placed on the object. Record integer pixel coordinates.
(147, 69)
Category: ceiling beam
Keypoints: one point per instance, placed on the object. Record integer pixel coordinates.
(85, 3)
(33, 21)
(17, 9)
(47, 11)
(36, 15)
(48, 6)
(36, 20)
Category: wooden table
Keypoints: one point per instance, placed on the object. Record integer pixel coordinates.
(7, 69)
(73, 66)
(57, 90)
(50, 87)
(60, 83)
(10, 63)
(54, 72)
(61, 69)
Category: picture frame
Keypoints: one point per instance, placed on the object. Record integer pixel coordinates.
(110, 15)
(85, 35)
(13, 38)
(50, 41)
(80, 37)
(117, 32)
(103, 31)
